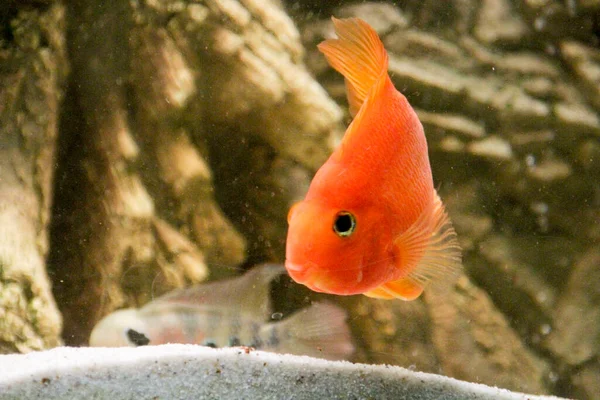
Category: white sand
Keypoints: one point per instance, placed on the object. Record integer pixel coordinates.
(196, 372)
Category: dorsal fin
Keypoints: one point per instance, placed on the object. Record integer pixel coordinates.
(247, 294)
(359, 55)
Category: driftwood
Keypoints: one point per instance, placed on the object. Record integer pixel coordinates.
(33, 69)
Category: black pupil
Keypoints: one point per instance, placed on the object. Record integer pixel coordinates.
(343, 223)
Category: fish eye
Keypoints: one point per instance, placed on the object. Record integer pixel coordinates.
(344, 224)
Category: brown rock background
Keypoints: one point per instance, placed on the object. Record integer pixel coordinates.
(146, 145)
(33, 70)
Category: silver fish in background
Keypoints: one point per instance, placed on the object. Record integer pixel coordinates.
(230, 312)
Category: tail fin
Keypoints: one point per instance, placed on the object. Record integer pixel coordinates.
(317, 331)
(359, 55)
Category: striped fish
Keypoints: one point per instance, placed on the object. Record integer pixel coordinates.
(230, 312)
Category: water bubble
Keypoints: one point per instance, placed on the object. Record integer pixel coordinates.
(545, 329)
(539, 207)
(412, 367)
(276, 316)
(530, 160)
(539, 23)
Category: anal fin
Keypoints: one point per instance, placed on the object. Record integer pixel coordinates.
(404, 288)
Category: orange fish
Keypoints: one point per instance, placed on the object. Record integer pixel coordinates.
(371, 222)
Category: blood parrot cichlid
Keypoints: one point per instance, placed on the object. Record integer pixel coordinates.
(230, 312)
(372, 221)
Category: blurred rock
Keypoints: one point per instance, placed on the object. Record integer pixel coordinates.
(588, 156)
(257, 187)
(575, 335)
(175, 169)
(498, 24)
(515, 63)
(550, 169)
(589, 5)
(575, 118)
(556, 19)
(475, 342)
(539, 87)
(493, 147)
(439, 125)
(416, 43)
(470, 217)
(101, 228)
(383, 17)
(533, 142)
(585, 63)
(513, 279)
(33, 69)
(396, 333)
(452, 15)
(181, 252)
(586, 381)
(255, 79)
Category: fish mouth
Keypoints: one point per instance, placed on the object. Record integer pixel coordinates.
(290, 266)
(297, 272)
(309, 276)
(319, 286)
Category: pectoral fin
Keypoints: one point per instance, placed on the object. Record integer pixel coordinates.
(428, 250)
